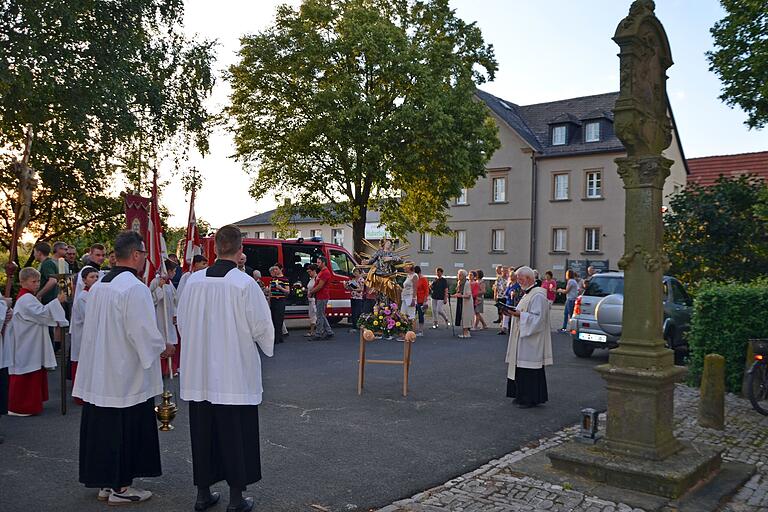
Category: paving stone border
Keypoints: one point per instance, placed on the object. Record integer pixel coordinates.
(497, 487)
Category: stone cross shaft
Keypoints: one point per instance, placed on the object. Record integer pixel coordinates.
(641, 374)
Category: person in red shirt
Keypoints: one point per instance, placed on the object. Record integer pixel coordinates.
(322, 293)
(422, 299)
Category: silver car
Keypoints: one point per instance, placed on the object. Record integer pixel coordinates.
(596, 321)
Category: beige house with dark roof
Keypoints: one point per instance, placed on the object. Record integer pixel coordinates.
(551, 198)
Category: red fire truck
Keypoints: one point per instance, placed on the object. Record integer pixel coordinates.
(295, 255)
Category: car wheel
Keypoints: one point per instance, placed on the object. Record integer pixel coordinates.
(581, 350)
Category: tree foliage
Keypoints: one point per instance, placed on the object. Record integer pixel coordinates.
(106, 87)
(348, 105)
(719, 232)
(740, 58)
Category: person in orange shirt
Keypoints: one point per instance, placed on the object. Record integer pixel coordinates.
(422, 299)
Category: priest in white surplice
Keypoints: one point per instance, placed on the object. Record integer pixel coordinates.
(118, 376)
(222, 317)
(530, 344)
(31, 350)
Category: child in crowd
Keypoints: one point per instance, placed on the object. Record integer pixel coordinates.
(550, 285)
(32, 349)
(356, 286)
(89, 276)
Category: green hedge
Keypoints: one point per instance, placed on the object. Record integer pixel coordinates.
(725, 316)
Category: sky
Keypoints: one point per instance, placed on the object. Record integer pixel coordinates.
(545, 51)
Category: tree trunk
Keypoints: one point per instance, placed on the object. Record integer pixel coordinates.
(358, 232)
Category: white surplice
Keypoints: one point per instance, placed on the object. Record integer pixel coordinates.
(182, 284)
(76, 323)
(120, 346)
(6, 354)
(221, 320)
(28, 333)
(530, 339)
(164, 300)
(79, 285)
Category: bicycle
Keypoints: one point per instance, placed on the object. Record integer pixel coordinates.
(757, 379)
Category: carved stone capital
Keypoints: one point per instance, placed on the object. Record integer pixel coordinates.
(642, 172)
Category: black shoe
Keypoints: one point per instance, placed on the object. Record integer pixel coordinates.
(244, 506)
(501, 333)
(317, 338)
(497, 321)
(212, 500)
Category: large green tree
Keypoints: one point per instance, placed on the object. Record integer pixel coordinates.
(719, 232)
(107, 88)
(740, 57)
(343, 106)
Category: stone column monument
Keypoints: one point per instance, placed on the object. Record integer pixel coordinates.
(639, 450)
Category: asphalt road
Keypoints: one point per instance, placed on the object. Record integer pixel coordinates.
(323, 444)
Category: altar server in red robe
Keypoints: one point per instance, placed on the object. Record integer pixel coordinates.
(32, 351)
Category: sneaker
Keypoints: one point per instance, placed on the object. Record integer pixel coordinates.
(20, 415)
(434, 326)
(419, 333)
(104, 494)
(128, 496)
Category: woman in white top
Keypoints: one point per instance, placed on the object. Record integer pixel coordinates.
(408, 295)
(464, 307)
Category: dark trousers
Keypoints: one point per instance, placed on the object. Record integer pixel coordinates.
(277, 307)
(357, 309)
(368, 305)
(3, 391)
(225, 444)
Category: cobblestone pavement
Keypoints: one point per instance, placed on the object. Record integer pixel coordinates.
(496, 487)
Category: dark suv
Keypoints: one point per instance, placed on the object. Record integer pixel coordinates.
(604, 300)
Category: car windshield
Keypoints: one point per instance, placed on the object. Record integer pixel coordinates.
(602, 286)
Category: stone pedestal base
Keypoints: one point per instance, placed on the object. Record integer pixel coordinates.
(640, 408)
(672, 478)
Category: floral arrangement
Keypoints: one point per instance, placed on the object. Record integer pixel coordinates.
(386, 319)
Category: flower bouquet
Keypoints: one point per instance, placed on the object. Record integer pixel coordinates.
(386, 320)
(298, 290)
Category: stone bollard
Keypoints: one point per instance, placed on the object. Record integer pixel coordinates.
(712, 403)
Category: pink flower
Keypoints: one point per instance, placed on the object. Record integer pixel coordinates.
(393, 306)
(390, 324)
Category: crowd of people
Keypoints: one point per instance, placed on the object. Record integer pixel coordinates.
(125, 335)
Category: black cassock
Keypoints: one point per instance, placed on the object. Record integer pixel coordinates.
(225, 438)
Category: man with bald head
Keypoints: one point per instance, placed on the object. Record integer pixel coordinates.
(530, 343)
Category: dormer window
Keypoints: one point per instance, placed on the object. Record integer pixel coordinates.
(592, 131)
(558, 135)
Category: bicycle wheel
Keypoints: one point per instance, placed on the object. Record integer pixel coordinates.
(757, 387)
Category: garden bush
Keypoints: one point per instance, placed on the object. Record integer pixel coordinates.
(725, 317)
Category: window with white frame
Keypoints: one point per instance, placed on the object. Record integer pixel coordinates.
(244, 233)
(259, 234)
(275, 234)
(425, 243)
(592, 131)
(594, 184)
(560, 186)
(337, 236)
(591, 239)
(460, 240)
(298, 233)
(558, 135)
(559, 239)
(497, 240)
(499, 189)
(316, 233)
(462, 199)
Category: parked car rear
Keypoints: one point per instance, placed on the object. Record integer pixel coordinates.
(604, 299)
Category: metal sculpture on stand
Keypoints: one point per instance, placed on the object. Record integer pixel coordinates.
(382, 268)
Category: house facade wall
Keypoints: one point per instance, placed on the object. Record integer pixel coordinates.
(480, 216)
(305, 230)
